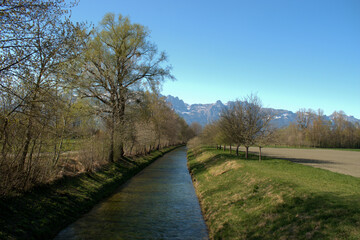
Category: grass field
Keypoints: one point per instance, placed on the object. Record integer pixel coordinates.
(43, 212)
(345, 162)
(273, 199)
(297, 147)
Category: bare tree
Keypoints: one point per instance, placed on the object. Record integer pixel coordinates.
(256, 122)
(232, 124)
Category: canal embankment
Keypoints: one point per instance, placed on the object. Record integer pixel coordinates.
(158, 203)
(42, 212)
(273, 198)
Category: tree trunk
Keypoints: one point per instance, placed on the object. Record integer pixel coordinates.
(259, 153)
(5, 135)
(237, 150)
(246, 152)
(121, 149)
(122, 104)
(230, 149)
(224, 147)
(112, 139)
(26, 145)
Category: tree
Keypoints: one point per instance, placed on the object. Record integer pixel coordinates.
(119, 60)
(256, 122)
(19, 19)
(232, 124)
(196, 128)
(37, 39)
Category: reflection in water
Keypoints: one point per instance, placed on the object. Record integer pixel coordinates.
(158, 203)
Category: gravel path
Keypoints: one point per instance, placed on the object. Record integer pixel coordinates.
(345, 162)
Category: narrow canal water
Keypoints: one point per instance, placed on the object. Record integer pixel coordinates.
(158, 203)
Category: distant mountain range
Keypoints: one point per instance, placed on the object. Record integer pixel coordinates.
(208, 113)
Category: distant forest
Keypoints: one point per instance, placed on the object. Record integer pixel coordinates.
(312, 130)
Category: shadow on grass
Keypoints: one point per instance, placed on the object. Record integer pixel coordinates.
(308, 161)
(219, 158)
(318, 216)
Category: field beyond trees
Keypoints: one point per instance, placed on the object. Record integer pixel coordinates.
(273, 198)
(345, 162)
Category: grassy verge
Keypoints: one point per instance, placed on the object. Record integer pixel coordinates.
(44, 211)
(273, 199)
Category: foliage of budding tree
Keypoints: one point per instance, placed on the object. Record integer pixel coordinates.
(153, 125)
(196, 128)
(119, 61)
(36, 40)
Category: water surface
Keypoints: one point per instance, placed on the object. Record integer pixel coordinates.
(158, 203)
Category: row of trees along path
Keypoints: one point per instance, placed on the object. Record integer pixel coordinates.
(243, 123)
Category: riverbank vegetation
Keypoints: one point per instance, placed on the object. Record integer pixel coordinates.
(47, 209)
(74, 97)
(272, 199)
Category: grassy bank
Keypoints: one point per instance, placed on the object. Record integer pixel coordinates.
(44, 211)
(273, 199)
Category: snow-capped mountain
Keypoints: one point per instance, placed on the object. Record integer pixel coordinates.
(207, 113)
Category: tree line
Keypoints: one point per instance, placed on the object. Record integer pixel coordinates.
(311, 129)
(70, 86)
(244, 123)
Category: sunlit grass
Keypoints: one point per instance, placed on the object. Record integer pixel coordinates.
(274, 199)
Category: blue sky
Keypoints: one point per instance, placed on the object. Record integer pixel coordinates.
(293, 53)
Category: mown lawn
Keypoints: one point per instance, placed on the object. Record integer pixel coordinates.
(44, 211)
(273, 199)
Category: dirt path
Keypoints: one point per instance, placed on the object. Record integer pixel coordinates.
(345, 162)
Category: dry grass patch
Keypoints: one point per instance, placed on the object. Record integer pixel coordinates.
(225, 167)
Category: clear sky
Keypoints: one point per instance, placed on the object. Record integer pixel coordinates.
(293, 53)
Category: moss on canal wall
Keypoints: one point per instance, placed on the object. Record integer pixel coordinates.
(43, 212)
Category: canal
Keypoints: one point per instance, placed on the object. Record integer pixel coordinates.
(158, 203)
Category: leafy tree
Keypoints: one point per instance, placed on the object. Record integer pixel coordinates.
(36, 40)
(120, 60)
(196, 128)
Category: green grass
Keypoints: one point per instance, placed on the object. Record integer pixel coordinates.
(43, 212)
(273, 199)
